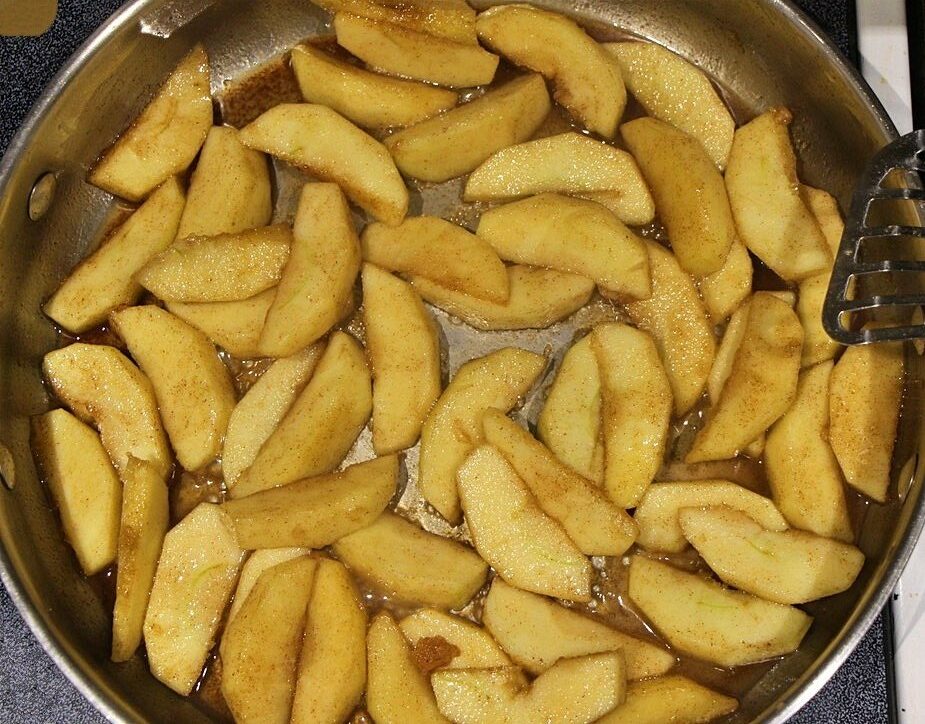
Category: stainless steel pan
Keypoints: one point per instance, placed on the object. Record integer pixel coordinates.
(762, 53)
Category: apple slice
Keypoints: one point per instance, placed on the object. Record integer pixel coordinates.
(789, 566)
(703, 619)
(568, 163)
(677, 92)
(636, 404)
(817, 345)
(450, 19)
(322, 423)
(410, 564)
(537, 632)
(802, 469)
(571, 235)
(587, 79)
(235, 326)
(368, 99)
(331, 148)
(538, 298)
(454, 426)
(314, 512)
(411, 54)
(866, 394)
(670, 699)
(195, 576)
(726, 352)
(724, 290)
(229, 190)
(764, 194)
(440, 251)
(825, 208)
(332, 667)
(456, 142)
(256, 563)
(511, 532)
(475, 647)
(165, 138)
(194, 390)
(318, 279)
(106, 279)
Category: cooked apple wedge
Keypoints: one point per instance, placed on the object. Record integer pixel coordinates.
(368, 99)
(657, 512)
(318, 279)
(703, 619)
(764, 194)
(726, 352)
(586, 78)
(790, 566)
(456, 142)
(454, 426)
(596, 525)
(101, 386)
(636, 405)
(725, 289)
(475, 646)
(411, 54)
(441, 251)
(194, 390)
(825, 208)
(761, 384)
(865, 401)
(406, 562)
(165, 138)
(84, 485)
(322, 423)
(670, 699)
(234, 326)
(571, 235)
(537, 298)
(331, 148)
(677, 92)
(537, 632)
(568, 163)
(817, 345)
(511, 532)
(260, 647)
(450, 19)
(315, 512)
(196, 574)
(256, 563)
(332, 667)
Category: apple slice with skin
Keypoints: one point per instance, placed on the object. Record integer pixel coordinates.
(571, 235)
(165, 138)
(450, 19)
(456, 142)
(476, 648)
(235, 326)
(256, 563)
(670, 699)
(724, 290)
(331, 148)
(587, 79)
(318, 279)
(454, 426)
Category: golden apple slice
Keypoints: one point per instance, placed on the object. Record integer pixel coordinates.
(597, 525)
(802, 469)
(586, 78)
(817, 345)
(322, 423)
(332, 667)
(725, 289)
(571, 235)
(693, 205)
(866, 392)
(537, 299)
(229, 190)
(368, 99)
(235, 326)
(475, 646)
(331, 148)
(789, 566)
(165, 138)
(314, 512)
(456, 142)
(677, 92)
(536, 632)
(825, 208)
(195, 576)
(318, 279)
(526, 547)
(454, 426)
(440, 251)
(410, 564)
(764, 194)
(568, 163)
(411, 54)
(670, 699)
(703, 619)
(194, 390)
(636, 405)
(726, 352)
(450, 19)
(256, 563)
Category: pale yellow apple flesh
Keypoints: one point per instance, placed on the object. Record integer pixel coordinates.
(234, 326)
(476, 648)
(670, 699)
(450, 19)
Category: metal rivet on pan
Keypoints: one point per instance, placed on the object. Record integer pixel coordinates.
(7, 467)
(41, 196)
